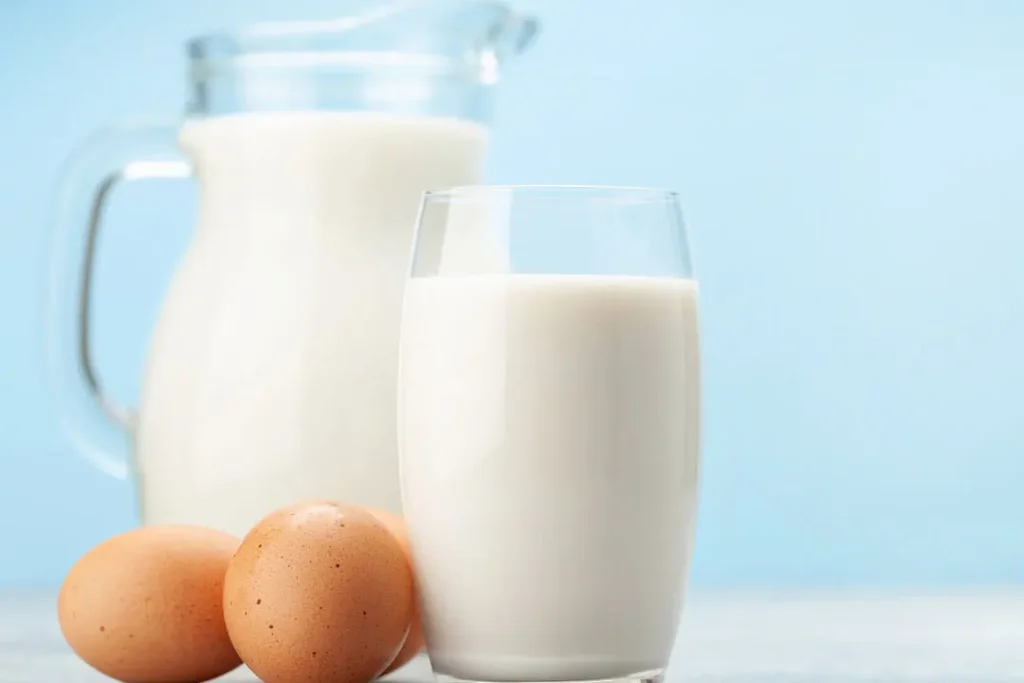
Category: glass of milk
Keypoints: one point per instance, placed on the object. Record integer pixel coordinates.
(549, 417)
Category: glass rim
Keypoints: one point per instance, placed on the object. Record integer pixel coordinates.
(636, 192)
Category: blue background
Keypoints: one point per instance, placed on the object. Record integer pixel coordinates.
(852, 174)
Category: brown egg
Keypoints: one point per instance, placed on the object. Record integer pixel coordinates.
(414, 641)
(147, 605)
(318, 592)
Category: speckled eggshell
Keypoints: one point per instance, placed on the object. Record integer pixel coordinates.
(414, 641)
(146, 606)
(318, 592)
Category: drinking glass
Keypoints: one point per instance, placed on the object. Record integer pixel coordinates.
(549, 409)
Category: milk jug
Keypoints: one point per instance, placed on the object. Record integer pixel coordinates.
(271, 371)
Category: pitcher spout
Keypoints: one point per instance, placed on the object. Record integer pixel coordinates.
(508, 34)
(481, 34)
(484, 34)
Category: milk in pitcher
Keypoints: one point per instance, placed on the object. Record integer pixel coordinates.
(275, 355)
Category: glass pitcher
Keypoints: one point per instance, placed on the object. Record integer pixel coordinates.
(271, 371)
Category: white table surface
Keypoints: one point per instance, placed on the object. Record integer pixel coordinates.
(726, 638)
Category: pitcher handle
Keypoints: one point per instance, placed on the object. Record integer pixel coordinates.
(96, 423)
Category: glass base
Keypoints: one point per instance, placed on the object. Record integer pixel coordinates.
(643, 677)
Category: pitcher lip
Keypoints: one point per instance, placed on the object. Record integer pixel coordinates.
(270, 30)
(251, 47)
(316, 42)
(239, 40)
